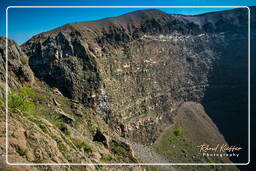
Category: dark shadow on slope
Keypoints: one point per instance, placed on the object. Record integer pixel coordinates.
(226, 98)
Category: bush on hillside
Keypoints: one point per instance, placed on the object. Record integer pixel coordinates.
(21, 101)
(178, 131)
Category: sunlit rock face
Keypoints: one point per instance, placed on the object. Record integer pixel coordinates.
(135, 70)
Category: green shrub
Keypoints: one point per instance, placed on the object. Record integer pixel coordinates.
(2, 102)
(118, 149)
(178, 131)
(41, 125)
(56, 120)
(133, 98)
(82, 145)
(107, 158)
(21, 101)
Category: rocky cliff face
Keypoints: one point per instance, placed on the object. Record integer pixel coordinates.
(18, 69)
(134, 70)
(46, 127)
(129, 76)
(51, 52)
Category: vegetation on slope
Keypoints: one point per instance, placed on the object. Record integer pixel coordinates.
(44, 112)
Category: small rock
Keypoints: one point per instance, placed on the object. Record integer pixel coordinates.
(55, 102)
(75, 101)
(66, 117)
(56, 91)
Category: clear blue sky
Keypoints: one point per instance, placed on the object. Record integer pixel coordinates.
(23, 23)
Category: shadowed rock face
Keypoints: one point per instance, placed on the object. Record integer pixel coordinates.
(136, 69)
(64, 61)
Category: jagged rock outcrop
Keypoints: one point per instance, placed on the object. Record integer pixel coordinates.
(18, 69)
(63, 61)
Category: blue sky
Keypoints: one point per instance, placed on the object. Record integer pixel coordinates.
(23, 23)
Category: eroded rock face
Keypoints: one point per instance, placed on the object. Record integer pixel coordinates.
(29, 143)
(63, 61)
(136, 69)
(19, 71)
(66, 57)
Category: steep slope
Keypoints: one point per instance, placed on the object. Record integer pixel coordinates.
(46, 127)
(193, 127)
(136, 69)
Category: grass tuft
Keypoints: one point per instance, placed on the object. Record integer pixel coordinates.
(178, 131)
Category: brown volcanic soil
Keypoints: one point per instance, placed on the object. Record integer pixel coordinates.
(197, 129)
(197, 125)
